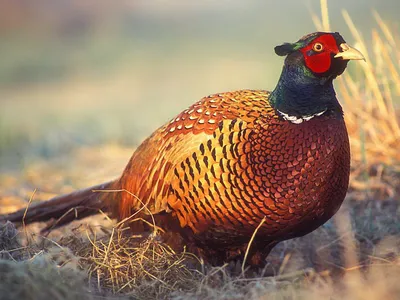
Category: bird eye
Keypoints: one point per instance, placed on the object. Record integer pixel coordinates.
(318, 47)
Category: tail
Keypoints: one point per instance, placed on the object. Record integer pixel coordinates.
(65, 208)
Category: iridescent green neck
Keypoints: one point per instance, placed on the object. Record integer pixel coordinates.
(299, 93)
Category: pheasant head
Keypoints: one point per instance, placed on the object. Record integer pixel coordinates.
(305, 87)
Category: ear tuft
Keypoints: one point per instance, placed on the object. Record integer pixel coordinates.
(284, 49)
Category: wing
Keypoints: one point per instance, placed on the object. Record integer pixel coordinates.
(172, 153)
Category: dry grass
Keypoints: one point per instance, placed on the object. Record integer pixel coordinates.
(141, 266)
(351, 258)
(369, 96)
(28, 272)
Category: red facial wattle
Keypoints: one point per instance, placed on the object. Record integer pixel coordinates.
(320, 62)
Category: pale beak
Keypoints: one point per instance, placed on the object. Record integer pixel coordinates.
(349, 53)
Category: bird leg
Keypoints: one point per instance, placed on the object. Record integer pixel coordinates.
(258, 252)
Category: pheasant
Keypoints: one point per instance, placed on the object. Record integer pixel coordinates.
(232, 164)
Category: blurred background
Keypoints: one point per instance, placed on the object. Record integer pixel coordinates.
(99, 72)
(82, 83)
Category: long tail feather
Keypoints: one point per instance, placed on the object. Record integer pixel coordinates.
(65, 208)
